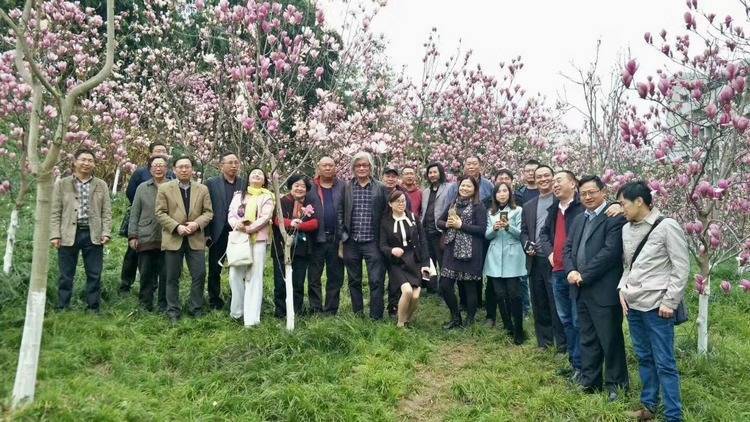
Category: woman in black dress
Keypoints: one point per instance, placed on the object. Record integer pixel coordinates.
(463, 223)
(402, 243)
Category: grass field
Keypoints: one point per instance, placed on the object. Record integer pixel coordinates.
(125, 364)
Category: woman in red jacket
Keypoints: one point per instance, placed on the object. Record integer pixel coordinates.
(301, 222)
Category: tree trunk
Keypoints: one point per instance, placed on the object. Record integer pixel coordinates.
(10, 243)
(28, 357)
(703, 307)
(289, 294)
(117, 179)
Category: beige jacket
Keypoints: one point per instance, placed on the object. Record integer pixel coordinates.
(170, 212)
(65, 205)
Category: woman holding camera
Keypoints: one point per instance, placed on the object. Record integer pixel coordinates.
(506, 262)
(463, 225)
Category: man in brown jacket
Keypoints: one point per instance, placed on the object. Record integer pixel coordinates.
(183, 209)
(81, 221)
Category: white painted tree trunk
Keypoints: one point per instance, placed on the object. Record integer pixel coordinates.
(703, 320)
(117, 180)
(10, 243)
(289, 296)
(31, 342)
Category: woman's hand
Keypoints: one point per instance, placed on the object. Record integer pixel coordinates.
(397, 252)
(296, 222)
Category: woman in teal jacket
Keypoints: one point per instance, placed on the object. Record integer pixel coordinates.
(506, 261)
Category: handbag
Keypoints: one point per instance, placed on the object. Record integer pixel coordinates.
(239, 250)
(681, 313)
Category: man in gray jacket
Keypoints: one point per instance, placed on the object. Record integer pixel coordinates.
(81, 221)
(651, 289)
(433, 204)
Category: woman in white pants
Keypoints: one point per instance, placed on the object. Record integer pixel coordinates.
(251, 212)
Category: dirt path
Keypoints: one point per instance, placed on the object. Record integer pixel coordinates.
(432, 398)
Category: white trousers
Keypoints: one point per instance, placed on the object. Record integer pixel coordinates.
(246, 283)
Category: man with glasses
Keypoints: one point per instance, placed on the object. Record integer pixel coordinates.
(221, 188)
(81, 221)
(365, 200)
(140, 175)
(593, 263)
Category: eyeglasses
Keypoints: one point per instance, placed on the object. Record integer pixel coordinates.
(232, 163)
(158, 166)
(399, 202)
(589, 193)
(362, 165)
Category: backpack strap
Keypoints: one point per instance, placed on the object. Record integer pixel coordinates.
(645, 239)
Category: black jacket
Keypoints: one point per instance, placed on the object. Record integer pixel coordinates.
(316, 198)
(547, 235)
(415, 239)
(603, 267)
(475, 265)
(218, 202)
(379, 202)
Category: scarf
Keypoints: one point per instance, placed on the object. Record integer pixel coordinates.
(251, 210)
(462, 248)
(398, 225)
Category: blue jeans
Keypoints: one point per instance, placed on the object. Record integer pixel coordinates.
(653, 343)
(568, 313)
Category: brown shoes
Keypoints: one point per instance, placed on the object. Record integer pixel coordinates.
(641, 415)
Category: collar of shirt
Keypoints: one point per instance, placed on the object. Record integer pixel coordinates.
(228, 182)
(184, 185)
(591, 215)
(650, 218)
(366, 186)
(83, 182)
(564, 207)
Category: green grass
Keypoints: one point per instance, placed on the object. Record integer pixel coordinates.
(126, 364)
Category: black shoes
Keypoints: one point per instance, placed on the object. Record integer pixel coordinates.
(453, 324)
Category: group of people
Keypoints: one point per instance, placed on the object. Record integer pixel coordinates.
(585, 258)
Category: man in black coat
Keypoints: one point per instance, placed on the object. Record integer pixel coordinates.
(365, 200)
(140, 175)
(221, 188)
(593, 262)
(547, 326)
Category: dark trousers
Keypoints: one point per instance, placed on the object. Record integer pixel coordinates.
(196, 263)
(436, 254)
(601, 342)
(462, 295)
(129, 268)
(508, 297)
(447, 288)
(354, 253)
(215, 252)
(394, 295)
(490, 300)
(153, 274)
(299, 271)
(326, 255)
(547, 326)
(67, 260)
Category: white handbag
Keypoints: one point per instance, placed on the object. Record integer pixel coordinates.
(239, 250)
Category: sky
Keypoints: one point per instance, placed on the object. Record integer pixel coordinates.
(552, 37)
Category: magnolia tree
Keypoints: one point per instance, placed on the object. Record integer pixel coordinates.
(62, 35)
(696, 131)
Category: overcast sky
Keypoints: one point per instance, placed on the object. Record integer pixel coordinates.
(551, 35)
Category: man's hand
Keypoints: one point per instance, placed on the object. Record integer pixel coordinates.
(192, 227)
(133, 243)
(397, 252)
(551, 259)
(624, 305)
(574, 277)
(182, 230)
(665, 311)
(55, 243)
(105, 239)
(614, 210)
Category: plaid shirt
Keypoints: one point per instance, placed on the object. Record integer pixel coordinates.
(84, 196)
(362, 227)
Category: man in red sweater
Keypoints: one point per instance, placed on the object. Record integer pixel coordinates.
(411, 187)
(560, 215)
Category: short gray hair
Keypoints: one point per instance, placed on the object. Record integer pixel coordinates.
(363, 155)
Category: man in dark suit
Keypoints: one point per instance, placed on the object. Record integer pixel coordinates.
(593, 262)
(549, 331)
(365, 200)
(221, 189)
